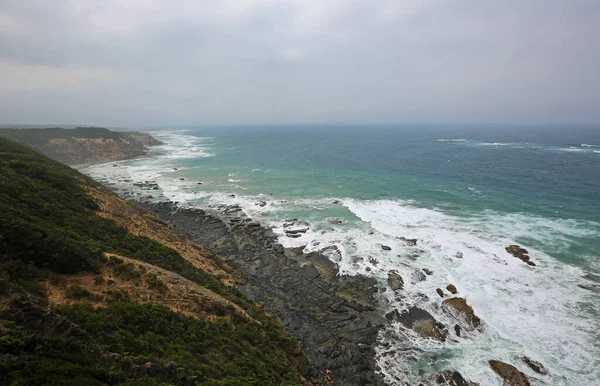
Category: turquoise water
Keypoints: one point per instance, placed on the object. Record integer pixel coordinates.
(471, 191)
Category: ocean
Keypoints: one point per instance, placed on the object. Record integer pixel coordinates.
(464, 193)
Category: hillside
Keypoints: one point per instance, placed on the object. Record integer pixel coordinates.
(95, 291)
(82, 145)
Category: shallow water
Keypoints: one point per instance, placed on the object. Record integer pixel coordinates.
(455, 190)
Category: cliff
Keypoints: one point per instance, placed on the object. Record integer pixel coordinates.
(83, 145)
(96, 291)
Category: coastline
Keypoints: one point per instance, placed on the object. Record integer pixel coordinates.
(234, 226)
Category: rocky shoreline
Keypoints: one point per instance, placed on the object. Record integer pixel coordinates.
(335, 317)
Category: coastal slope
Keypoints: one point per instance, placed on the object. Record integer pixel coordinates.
(95, 291)
(83, 145)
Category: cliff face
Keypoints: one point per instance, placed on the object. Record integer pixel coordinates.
(83, 145)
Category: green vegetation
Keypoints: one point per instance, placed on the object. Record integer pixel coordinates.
(39, 137)
(48, 222)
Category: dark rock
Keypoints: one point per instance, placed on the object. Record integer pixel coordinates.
(199, 183)
(457, 329)
(336, 202)
(428, 271)
(452, 378)
(452, 289)
(509, 373)
(421, 321)
(535, 365)
(333, 315)
(261, 203)
(529, 262)
(336, 220)
(182, 179)
(386, 248)
(590, 287)
(395, 281)
(440, 292)
(458, 255)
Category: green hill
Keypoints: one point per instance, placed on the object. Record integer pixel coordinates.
(87, 298)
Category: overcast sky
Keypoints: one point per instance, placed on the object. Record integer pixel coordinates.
(176, 62)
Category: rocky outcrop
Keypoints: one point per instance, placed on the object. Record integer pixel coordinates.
(459, 307)
(453, 378)
(509, 373)
(452, 289)
(421, 321)
(395, 281)
(334, 316)
(534, 365)
(520, 253)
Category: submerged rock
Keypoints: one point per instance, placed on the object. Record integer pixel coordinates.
(535, 365)
(417, 276)
(460, 306)
(395, 281)
(511, 375)
(386, 248)
(410, 242)
(590, 287)
(452, 289)
(336, 220)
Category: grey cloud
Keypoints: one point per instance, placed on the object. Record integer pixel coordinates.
(264, 61)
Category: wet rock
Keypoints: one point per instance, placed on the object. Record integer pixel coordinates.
(509, 373)
(232, 195)
(175, 169)
(535, 365)
(261, 203)
(336, 220)
(421, 321)
(395, 281)
(458, 255)
(457, 329)
(373, 261)
(518, 252)
(460, 307)
(452, 378)
(182, 179)
(336, 202)
(428, 271)
(440, 292)
(386, 248)
(452, 289)
(531, 263)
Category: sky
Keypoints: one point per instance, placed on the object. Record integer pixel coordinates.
(146, 63)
